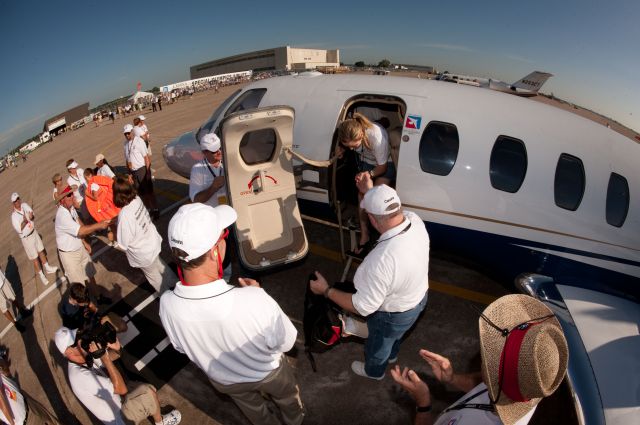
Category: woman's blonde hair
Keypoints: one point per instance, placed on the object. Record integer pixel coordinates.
(355, 129)
(55, 178)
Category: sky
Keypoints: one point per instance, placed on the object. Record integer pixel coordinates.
(59, 54)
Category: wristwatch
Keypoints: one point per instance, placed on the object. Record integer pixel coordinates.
(371, 174)
(326, 291)
(423, 409)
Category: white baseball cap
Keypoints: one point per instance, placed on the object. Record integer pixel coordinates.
(141, 117)
(99, 158)
(380, 200)
(64, 338)
(72, 165)
(127, 128)
(14, 196)
(196, 228)
(210, 142)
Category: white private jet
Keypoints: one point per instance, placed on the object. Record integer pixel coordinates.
(527, 86)
(514, 185)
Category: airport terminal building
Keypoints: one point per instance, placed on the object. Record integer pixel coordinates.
(279, 58)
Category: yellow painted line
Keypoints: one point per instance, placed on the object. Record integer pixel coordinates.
(466, 294)
(169, 195)
(325, 252)
(444, 288)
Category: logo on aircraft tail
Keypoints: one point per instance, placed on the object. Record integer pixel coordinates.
(413, 121)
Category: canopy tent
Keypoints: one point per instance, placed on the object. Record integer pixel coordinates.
(140, 95)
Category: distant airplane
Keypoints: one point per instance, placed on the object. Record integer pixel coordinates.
(527, 86)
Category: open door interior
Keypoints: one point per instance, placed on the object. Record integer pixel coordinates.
(261, 186)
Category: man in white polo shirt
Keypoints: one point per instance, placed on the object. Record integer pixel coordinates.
(139, 165)
(207, 181)
(77, 181)
(69, 233)
(391, 282)
(100, 387)
(22, 219)
(236, 335)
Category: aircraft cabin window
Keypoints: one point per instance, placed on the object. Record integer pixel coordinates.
(258, 147)
(617, 200)
(569, 182)
(508, 164)
(439, 148)
(247, 100)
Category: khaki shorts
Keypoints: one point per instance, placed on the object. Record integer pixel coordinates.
(6, 297)
(77, 265)
(32, 245)
(139, 403)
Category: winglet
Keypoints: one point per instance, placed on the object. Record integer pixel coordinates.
(532, 82)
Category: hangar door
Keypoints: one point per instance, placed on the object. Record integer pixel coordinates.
(261, 186)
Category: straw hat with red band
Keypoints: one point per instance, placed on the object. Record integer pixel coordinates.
(67, 190)
(525, 359)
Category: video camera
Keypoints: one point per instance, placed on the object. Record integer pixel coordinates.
(100, 333)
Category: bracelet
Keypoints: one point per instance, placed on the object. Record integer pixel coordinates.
(326, 291)
(423, 409)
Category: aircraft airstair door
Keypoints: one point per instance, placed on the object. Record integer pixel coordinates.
(261, 186)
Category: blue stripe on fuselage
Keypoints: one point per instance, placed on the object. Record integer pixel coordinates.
(499, 257)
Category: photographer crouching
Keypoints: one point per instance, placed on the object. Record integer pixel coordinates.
(98, 384)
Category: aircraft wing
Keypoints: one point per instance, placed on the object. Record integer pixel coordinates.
(532, 82)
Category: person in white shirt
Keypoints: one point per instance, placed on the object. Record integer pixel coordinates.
(391, 283)
(139, 165)
(104, 169)
(70, 230)
(138, 237)
(57, 185)
(22, 219)
(100, 387)
(9, 302)
(207, 183)
(524, 356)
(16, 407)
(370, 142)
(77, 182)
(236, 335)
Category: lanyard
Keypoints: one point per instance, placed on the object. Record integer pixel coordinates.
(391, 237)
(210, 169)
(464, 404)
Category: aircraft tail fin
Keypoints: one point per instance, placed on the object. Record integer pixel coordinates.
(532, 82)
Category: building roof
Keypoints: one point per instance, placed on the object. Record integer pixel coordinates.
(70, 116)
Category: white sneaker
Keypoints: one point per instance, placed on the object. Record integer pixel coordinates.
(172, 418)
(50, 269)
(43, 278)
(358, 368)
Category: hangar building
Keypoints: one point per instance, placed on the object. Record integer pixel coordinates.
(62, 121)
(279, 58)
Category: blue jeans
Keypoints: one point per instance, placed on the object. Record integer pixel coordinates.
(385, 334)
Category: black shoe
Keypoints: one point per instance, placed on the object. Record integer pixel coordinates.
(20, 327)
(27, 312)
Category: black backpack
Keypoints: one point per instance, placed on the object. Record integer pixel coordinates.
(321, 322)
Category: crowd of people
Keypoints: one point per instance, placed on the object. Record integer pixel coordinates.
(238, 335)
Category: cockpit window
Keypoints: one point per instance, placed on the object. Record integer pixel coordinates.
(508, 164)
(247, 100)
(206, 127)
(439, 148)
(617, 200)
(569, 182)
